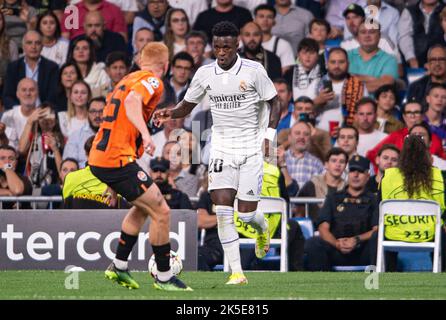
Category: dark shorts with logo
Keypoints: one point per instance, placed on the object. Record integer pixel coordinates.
(130, 181)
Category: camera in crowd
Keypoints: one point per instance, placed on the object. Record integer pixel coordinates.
(11, 10)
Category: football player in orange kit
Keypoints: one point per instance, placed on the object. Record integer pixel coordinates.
(122, 138)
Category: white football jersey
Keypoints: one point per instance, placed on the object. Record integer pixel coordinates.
(237, 99)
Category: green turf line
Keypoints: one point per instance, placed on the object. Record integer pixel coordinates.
(210, 285)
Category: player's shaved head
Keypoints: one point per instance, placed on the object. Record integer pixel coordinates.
(154, 57)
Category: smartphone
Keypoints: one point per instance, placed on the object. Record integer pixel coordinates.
(10, 11)
(305, 117)
(47, 114)
(327, 84)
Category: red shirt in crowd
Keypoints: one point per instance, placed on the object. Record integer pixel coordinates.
(397, 138)
(113, 17)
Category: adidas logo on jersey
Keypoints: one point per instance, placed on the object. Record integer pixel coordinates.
(250, 193)
(208, 88)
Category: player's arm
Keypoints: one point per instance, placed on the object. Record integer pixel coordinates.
(274, 117)
(182, 109)
(133, 110)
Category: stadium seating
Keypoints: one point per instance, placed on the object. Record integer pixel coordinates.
(409, 207)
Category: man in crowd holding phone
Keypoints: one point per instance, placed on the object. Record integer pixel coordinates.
(338, 93)
(319, 139)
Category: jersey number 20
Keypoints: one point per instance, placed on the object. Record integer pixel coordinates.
(216, 165)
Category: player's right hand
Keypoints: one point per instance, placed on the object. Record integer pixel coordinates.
(149, 146)
(161, 116)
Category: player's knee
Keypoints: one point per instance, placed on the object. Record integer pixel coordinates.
(162, 216)
(247, 216)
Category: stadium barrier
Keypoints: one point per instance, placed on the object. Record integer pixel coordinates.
(35, 200)
(56, 239)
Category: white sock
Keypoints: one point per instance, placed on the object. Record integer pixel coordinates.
(232, 253)
(259, 220)
(121, 264)
(255, 219)
(229, 236)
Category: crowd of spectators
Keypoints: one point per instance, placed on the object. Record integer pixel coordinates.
(350, 84)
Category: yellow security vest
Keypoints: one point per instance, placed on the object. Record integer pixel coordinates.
(82, 184)
(405, 228)
(270, 188)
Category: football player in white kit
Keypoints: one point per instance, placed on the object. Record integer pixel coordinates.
(240, 95)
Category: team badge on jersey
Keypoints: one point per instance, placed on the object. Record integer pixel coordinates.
(154, 82)
(243, 86)
(142, 175)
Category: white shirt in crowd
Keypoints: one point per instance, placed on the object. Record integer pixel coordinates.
(15, 122)
(57, 52)
(368, 141)
(68, 126)
(438, 162)
(237, 98)
(333, 110)
(284, 50)
(98, 79)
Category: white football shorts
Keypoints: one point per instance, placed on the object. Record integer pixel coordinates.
(239, 172)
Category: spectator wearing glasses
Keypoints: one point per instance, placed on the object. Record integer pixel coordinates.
(412, 115)
(436, 73)
(74, 148)
(177, 84)
(372, 65)
(159, 172)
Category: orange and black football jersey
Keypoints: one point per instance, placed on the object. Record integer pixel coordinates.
(118, 141)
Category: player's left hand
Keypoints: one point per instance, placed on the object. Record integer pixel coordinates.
(111, 195)
(161, 116)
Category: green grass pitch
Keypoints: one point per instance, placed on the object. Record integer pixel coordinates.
(211, 285)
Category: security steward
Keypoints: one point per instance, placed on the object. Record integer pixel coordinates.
(159, 172)
(348, 224)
